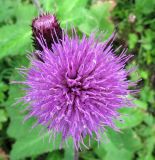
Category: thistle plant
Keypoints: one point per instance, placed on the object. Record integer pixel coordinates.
(77, 85)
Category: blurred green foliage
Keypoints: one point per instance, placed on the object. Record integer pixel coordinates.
(135, 26)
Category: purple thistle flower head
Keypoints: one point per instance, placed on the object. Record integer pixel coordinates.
(79, 87)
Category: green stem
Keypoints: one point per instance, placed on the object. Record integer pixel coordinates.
(76, 154)
(38, 6)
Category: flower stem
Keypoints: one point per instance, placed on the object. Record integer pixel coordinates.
(76, 154)
(38, 6)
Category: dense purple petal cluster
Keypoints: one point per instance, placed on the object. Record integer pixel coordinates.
(78, 87)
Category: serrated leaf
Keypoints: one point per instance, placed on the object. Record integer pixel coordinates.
(121, 145)
(68, 12)
(32, 145)
(25, 9)
(110, 152)
(67, 6)
(118, 154)
(9, 7)
(126, 139)
(14, 39)
(97, 17)
(133, 116)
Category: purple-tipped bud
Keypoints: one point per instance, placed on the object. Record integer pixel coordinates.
(47, 27)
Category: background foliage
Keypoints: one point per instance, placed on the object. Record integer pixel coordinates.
(135, 25)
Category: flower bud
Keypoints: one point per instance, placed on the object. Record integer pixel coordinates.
(47, 27)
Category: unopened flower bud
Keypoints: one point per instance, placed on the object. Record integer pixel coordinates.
(46, 26)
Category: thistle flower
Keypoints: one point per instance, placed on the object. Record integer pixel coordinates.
(79, 87)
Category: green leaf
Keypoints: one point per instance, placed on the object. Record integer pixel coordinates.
(132, 40)
(147, 94)
(109, 151)
(126, 139)
(100, 151)
(148, 149)
(3, 116)
(49, 5)
(69, 150)
(1, 125)
(121, 145)
(32, 145)
(118, 154)
(68, 6)
(14, 39)
(144, 74)
(134, 116)
(97, 17)
(87, 155)
(7, 10)
(29, 10)
(68, 12)
(89, 24)
(55, 155)
(3, 88)
(144, 6)
(87, 20)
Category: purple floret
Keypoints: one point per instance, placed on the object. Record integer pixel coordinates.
(78, 88)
